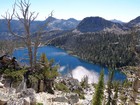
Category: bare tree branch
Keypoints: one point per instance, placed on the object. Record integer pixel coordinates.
(26, 17)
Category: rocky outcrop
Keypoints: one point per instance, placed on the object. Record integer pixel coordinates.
(1, 85)
(6, 62)
(71, 83)
(27, 93)
(3, 101)
(27, 101)
(60, 99)
(70, 98)
(73, 98)
(10, 96)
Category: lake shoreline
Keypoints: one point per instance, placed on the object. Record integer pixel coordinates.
(69, 52)
(70, 63)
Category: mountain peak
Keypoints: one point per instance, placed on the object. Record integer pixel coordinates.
(50, 18)
(117, 21)
(71, 19)
(134, 22)
(94, 24)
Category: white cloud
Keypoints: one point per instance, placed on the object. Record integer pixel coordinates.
(79, 72)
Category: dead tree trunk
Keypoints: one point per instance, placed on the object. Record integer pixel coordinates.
(26, 17)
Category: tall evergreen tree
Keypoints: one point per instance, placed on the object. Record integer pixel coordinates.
(49, 73)
(116, 88)
(110, 86)
(99, 92)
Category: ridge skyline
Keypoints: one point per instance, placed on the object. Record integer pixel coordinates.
(124, 10)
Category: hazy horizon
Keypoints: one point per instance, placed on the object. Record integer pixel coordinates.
(123, 10)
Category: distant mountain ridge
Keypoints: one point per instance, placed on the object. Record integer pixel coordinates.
(88, 24)
(96, 24)
(53, 24)
(134, 23)
(117, 21)
(62, 24)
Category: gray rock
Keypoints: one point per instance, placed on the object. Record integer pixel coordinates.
(7, 82)
(22, 101)
(3, 98)
(2, 78)
(35, 85)
(12, 90)
(27, 101)
(28, 92)
(70, 98)
(16, 102)
(3, 102)
(71, 83)
(41, 86)
(33, 100)
(60, 99)
(73, 98)
(1, 85)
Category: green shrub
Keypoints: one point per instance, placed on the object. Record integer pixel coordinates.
(39, 104)
(127, 84)
(49, 71)
(80, 93)
(84, 82)
(16, 75)
(94, 85)
(61, 87)
(33, 78)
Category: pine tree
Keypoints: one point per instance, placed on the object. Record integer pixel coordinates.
(49, 72)
(116, 88)
(99, 92)
(110, 86)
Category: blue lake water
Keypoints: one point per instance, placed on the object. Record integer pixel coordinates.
(68, 63)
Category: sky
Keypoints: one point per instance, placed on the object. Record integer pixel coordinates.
(124, 10)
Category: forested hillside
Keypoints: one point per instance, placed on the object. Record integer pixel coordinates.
(107, 49)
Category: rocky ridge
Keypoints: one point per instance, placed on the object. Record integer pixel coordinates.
(10, 96)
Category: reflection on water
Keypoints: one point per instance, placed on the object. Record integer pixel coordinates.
(68, 63)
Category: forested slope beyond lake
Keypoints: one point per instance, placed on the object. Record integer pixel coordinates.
(107, 49)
